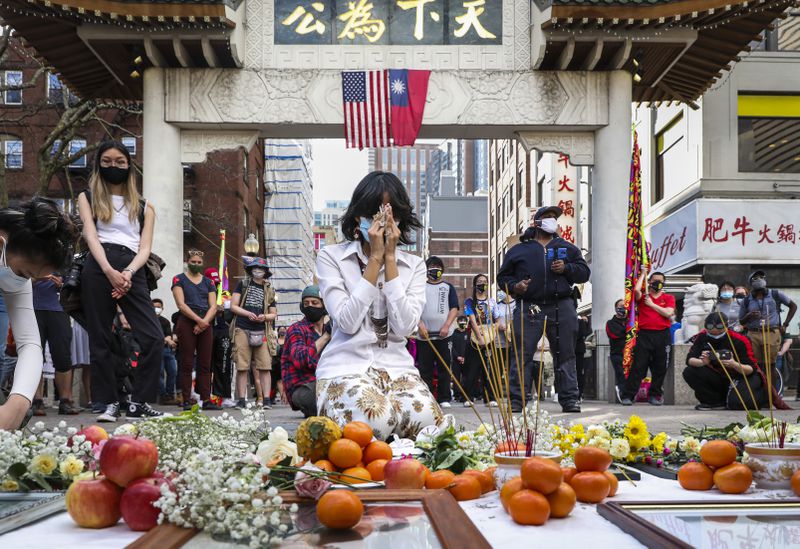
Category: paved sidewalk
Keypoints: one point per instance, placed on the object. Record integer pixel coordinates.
(663, 418)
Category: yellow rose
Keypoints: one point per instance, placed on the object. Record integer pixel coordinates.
(71, 467)
(9, 485)
(43, 464)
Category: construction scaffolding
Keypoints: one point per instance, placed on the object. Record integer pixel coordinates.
(288, 222)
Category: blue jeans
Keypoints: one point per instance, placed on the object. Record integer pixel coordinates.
(169, 369)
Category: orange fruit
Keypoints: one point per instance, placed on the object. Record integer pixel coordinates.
(612, 478)
(358, 432)
(486, 480)
(591, 486)
(529, 507)
(377, 450)
(465, 487)
(695, 476)
(510, 488)
(796, 482)
(718, 453)
(541, 475)
(733, 479)
(361, 475)
(375, 468)
(325, 465)
(439, 479)
(569, 472)
(562, 501)
(344, 453)
(589, 458)
(339, 509)
(509, 447)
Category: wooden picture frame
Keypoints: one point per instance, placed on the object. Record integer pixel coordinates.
(622, 514)
(453, 527)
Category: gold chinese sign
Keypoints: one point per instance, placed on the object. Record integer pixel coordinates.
(400, 22)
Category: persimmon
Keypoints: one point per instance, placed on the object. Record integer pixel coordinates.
(465, 487)
(542, 475)
(375, 468)
(377, 449)
(359, 432)
(589, 458)
(796, 482)
(510, 488)
(529, 507)
(718, 453)
(733, 479)
(562, 501)
(569, 472)
(486, 480)
(591, 486)
(344, 453)
(325, 465)
(355, 475)
(612, 478)
(439, 479)
(695, 476)
(339, 509)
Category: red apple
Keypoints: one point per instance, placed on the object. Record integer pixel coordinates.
(94, 503)
(93, 433)
(137, 502)
(404, 474)
(126, 458)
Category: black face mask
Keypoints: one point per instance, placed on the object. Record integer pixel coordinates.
(462, 325)
(114, 175)
(481, 287)
(620, 311)
(313, 314)
(434, 274)
(656, 285)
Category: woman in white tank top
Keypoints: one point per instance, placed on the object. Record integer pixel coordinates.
(118, 229)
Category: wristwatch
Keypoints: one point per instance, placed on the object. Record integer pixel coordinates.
(129, 270)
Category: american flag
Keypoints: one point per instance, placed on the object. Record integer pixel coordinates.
(366, 108)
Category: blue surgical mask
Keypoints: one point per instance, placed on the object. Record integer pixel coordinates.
(9, 280)
(726, 295)
(364, 227)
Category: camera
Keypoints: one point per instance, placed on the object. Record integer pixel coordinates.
(725, 354)
(73, 278)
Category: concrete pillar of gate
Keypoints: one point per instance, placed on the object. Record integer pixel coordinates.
(163, 181)
(609, 211)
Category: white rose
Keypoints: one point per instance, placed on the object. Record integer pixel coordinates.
(277, 448)
(600, 442)
(619, 448)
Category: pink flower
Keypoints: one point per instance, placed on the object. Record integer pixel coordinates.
(98, 448)
(660, 462)
(310, 486)
(648, 460)
(667, 451)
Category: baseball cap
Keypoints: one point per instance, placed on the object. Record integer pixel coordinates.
(212, 274)
(547, 209)
(310, 291)
(755, 274)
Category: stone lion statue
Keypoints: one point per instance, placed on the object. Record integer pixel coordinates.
(698, 301)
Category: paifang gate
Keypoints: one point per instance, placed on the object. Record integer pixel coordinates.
(558, 75)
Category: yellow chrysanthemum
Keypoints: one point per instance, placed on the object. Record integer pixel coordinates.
(9, 485)
(43, 464)
(636, 432)
(659, 441)
(71, 467)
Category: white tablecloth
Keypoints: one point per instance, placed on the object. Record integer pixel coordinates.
(583, 526)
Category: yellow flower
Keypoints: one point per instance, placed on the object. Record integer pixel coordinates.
(71, 467)
(43, 464)
(619, 448)
(598, 431)
(691, 446)
(659, 441)
(599, 442)
(636, 432)
(277, 448)
(9, 485)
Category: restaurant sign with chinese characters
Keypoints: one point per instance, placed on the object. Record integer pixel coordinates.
(565, 196)
(727, 231)
(389, 22)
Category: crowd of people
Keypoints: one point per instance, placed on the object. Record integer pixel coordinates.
(383, 338)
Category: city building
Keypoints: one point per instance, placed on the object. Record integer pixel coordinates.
(324, 236)
(721, 182)
(288, 223)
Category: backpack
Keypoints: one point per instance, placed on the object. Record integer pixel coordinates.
(775, 297)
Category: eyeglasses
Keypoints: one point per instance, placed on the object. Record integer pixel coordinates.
(719, 326)
(119, 163)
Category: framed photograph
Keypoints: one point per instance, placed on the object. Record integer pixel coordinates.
(423, 519)
(20, 509)
(688, 524)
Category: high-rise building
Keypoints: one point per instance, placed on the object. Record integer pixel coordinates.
(288, 223)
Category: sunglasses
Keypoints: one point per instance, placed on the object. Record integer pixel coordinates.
(197, 253)
(711, 326)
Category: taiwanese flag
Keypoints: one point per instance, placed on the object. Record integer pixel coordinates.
(408, 90)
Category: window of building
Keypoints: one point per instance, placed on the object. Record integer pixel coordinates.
(75, 147)
(13, 96)
(130, 144)
(245, 167)
(318, 219)
(667, 161)
(12, 149)
(769, 133)
(55, 89)
(246, 219)
(385, 159)
(187, 215)
(520, 186)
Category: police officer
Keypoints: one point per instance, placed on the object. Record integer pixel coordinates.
(540, 272)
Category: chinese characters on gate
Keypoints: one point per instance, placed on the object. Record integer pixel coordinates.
(739, 230)
(566, 182)
(400, 22)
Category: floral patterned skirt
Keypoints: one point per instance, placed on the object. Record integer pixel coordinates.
(399, 406)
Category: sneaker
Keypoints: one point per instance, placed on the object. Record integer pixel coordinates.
(167, 400)
(38, 407)
(97, 407)
(571, 408)
(703, 406)
(492, 404)
(186, 407)
(619, 398)
(111, 413)
(516, 408)
(66, 408)
(626, 402)
(241, 403)
(445, 404)
(267, 405)
(211, 405)
(143, 411)
(468, 404)
(229, 403)
(656, 400)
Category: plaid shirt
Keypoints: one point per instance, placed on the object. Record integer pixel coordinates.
(299, 359)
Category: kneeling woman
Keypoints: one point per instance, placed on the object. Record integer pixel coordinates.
(720, 369)
(375, 294)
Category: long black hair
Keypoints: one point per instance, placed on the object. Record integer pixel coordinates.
(474, 289)
(38, 231)
(368, 198)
